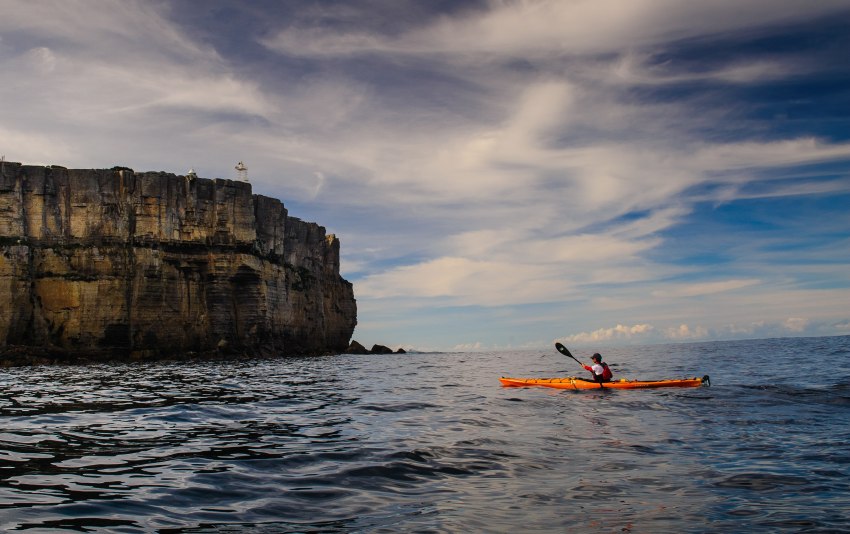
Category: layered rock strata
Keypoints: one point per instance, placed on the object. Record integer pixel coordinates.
(114, 262)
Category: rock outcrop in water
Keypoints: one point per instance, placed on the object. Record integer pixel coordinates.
(106, 263)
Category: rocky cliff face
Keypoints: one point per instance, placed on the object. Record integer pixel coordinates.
(106, 262)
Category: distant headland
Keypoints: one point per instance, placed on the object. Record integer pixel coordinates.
(118, 264)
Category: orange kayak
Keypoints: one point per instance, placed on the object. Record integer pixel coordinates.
(571, 382)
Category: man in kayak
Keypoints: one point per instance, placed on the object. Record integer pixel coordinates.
(601, 371)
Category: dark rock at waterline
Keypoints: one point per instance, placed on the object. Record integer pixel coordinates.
(356, 348)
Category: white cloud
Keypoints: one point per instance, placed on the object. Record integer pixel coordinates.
(523, 247)
(796, 324)
(41, 59)
(744, 329)
(619, 333)
(637, 69)
(320, 42)
(703, 288)
(118, 29)
(88, 90)
(498, 267)
(461, 282)
(648, 333)
(685, 332)
(33, 148)
(733, 156)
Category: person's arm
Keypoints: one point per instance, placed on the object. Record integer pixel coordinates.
(587, 368)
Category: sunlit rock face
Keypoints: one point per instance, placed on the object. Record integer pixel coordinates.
(114, 262)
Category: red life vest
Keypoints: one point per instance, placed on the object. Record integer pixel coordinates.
(606, 372)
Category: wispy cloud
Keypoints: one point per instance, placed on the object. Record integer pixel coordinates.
(703, 288)
(553, 28)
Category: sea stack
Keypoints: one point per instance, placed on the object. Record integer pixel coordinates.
(117, 264)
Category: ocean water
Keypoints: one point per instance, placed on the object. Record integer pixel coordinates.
(433, 443)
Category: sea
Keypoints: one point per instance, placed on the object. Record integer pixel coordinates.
(433, 443)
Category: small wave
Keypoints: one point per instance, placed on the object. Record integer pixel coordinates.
(595, 492)
(402, 407)
(80, 524)
(761, 481)
(827, 394)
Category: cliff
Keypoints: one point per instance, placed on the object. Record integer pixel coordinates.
(114, 263)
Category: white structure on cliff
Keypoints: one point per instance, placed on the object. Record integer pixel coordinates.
(241, 172)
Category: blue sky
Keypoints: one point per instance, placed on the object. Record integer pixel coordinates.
(500, 174)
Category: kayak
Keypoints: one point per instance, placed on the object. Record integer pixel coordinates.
(571, 382)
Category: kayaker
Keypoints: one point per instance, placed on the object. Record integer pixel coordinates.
(601, 371)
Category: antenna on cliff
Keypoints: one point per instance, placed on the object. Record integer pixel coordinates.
(2, 164)
(241, 172)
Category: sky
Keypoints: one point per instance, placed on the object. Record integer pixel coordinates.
(501, 174)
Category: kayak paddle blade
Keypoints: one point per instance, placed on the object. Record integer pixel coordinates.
(563, 350)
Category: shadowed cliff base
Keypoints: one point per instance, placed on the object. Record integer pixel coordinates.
(112, 264)
(22, 355)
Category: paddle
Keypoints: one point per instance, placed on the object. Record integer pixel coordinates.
(563, 350)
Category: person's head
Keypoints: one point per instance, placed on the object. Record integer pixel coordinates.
(596, 358)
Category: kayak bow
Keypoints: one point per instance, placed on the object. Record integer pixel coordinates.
(571, 382)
